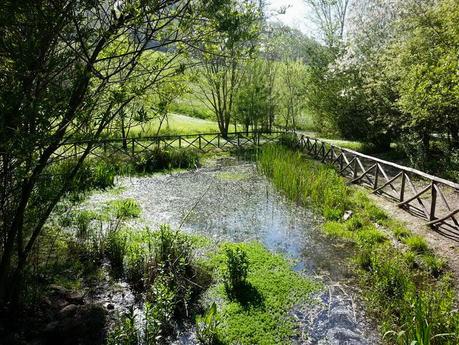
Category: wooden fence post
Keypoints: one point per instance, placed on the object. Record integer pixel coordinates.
(180, 141)
(218, 140)
(199, 140)
(402, 187)
(375, 183)
(355, 167)
(133, 147)
(433, 203)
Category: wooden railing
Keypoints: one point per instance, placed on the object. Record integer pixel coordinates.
(432, 198)
(203, 142)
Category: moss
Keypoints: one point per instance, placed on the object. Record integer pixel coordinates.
(261, 314)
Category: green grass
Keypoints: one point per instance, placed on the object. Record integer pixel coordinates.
(191, 106)
(403, 288)
(416, 244)
(261, 313)
(178, 124)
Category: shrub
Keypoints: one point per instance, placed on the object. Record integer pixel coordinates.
(289, 140)
(160, 159)
(237, 267)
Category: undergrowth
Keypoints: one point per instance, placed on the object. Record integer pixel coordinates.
(411, 292)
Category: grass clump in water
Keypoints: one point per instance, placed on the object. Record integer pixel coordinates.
(260, 312)
(125, 208)
(410, 292)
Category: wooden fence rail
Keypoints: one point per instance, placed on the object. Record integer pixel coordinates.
(432, 198)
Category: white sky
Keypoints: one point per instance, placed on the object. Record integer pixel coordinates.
(297, 14)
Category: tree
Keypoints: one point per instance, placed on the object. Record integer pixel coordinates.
(292, 75)
(254, 101)
(233, 41)
(331, 16)
(64, 69)
(426, 60)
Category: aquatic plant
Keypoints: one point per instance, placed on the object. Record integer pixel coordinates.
(206, 326)
(115, 250)
(124, 331)
(125, 208)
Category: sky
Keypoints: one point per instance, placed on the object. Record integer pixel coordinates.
(295, 16)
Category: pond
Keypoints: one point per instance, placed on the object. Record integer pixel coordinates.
(228, 200)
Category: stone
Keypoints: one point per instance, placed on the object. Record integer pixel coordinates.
(68, 310)
(78, 324)
(347, 215)
(75, 298)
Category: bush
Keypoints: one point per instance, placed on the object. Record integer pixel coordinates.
(237, 267)
(160, 159)
(289, 140)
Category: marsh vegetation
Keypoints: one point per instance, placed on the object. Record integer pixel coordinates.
(106, 238)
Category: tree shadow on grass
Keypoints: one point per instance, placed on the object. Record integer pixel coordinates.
(247, 295)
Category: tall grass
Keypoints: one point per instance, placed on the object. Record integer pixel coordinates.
(305, 181)
(407, 290)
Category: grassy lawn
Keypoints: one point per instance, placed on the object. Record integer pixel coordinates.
(177, 124)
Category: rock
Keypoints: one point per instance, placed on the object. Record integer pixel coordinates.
(68, 310)
(348, 214)
(75, 298)
(52, 327)
(110, 306)
(79, 324)
(57, 289)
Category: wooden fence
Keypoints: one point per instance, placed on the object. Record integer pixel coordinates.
(432, 198)
(204, 142)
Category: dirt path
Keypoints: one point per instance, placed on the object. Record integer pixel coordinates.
(443, 246)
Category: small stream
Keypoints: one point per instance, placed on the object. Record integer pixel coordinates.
(229, 200)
